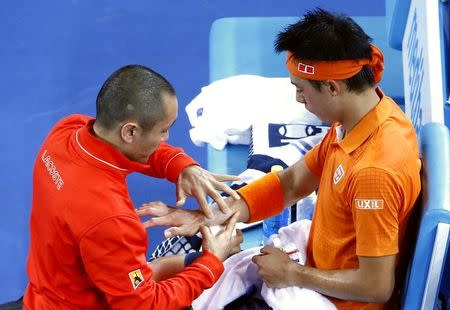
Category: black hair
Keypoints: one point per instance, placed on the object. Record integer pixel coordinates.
(134, 93)
(326, 36)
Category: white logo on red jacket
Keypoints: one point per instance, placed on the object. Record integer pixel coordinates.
(51, 169)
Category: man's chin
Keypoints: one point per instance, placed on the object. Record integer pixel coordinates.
(144, 160)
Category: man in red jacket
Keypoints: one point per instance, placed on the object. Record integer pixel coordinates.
(88, 245)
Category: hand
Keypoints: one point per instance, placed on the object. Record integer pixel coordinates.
(224, 243)
(183, 222)
(198, 182)
(273, 267)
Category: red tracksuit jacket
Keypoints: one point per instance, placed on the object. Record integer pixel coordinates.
(88, 246)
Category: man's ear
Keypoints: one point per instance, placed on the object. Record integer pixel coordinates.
(333, 87)
(128, 132)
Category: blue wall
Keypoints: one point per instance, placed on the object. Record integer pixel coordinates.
(56, 54)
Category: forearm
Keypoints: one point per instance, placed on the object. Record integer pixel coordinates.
(268, 195)
(166, 267)
(347, 284)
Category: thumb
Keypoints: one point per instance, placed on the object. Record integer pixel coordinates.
(206, 237)
(170, 232)
(268, 249)
(181, 198)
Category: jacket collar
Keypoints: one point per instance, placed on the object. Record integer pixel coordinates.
(102, 154)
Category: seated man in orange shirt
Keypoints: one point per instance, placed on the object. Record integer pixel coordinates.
(366, 171)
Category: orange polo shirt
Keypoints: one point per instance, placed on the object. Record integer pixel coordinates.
(88, 246)
(369, 182)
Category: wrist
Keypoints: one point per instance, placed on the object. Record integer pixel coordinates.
(219, 217)
(295, 274)
(177, 166)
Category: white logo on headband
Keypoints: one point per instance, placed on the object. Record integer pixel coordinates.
(304, 68)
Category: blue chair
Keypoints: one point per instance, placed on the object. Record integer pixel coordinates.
(422, 283)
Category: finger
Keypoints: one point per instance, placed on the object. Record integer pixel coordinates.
(148, 224)
(206, 236)
(239, 238)
(231, 223)
(157, 208)
(224, 177)
(179, 231)
(220, 202)
(204, 206)
(206, 232)
(267, 249)
(256, 259)
(268, 284)
(235, 249)
(169, 233)
(236, 241)
(226, 189)
(181, 197)
(157, 221)
(239, 233)
(154, 204)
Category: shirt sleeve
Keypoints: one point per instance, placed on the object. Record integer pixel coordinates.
(375, 198)
(315, 158)
(113, 254)
(167, 162)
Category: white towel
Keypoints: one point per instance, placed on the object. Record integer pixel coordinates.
(295, 297)
(236, 280)
(225, 110)
(288, 141)
(240, 275)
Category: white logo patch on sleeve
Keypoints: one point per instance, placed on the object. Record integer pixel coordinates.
(136, 278)
(369, 204)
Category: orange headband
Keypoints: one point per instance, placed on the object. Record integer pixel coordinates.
(335, 70)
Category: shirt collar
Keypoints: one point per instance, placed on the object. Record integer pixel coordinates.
(367, 124)
(103, 154)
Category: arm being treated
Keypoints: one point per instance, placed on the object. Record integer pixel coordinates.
(297, 182)
(293, 184)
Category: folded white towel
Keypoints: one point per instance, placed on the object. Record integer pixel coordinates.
(294, 297)
(225, 110)
(241, 274)
(234, 282)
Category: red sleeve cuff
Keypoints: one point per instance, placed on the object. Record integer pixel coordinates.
(176, 164)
